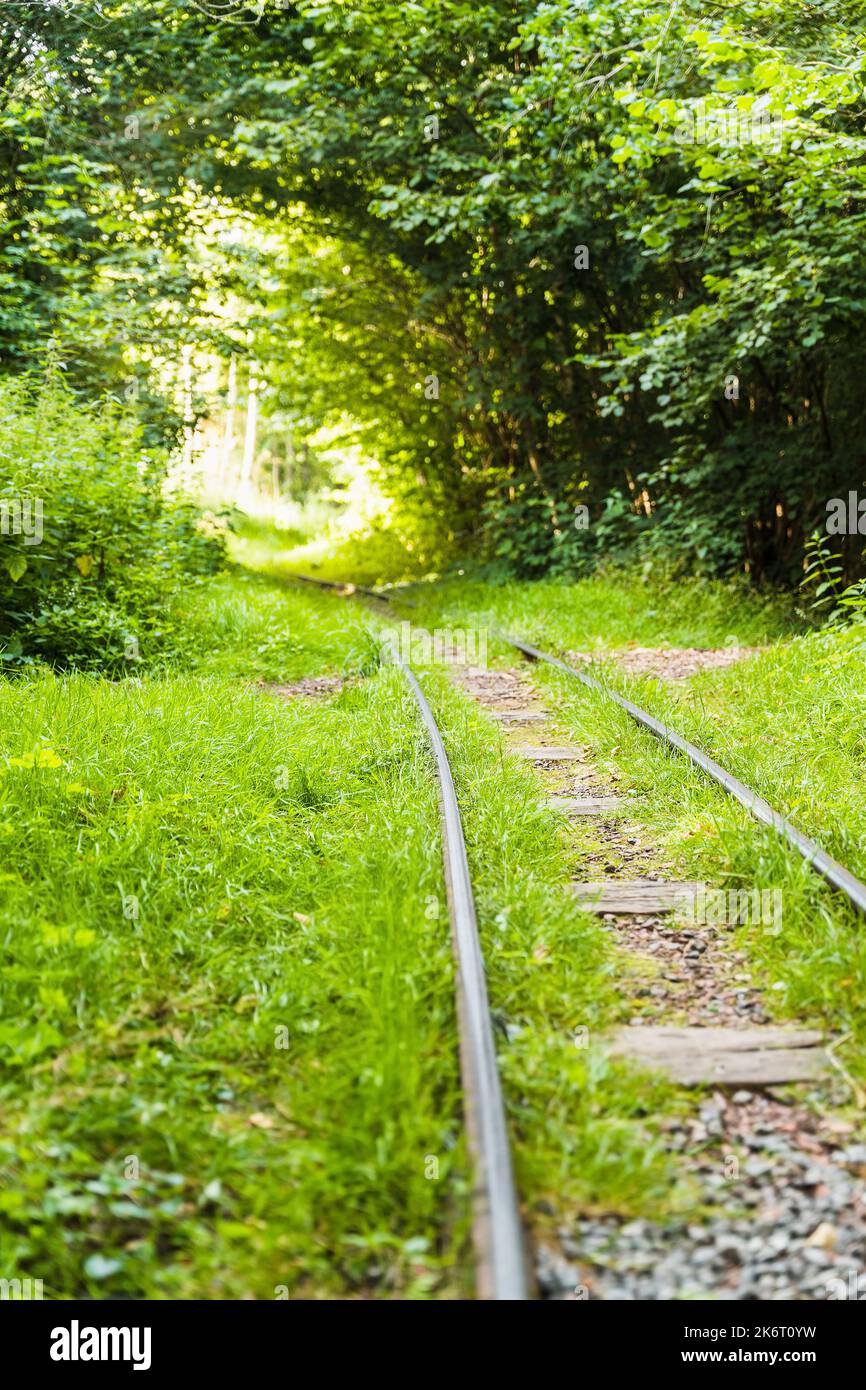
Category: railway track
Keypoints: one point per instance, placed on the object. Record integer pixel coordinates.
(817, 858)
(497, 1230)
(830, 869)
(498, 1236)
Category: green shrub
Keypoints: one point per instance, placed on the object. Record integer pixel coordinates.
(824, 574)
(533, 536)
(91, 549)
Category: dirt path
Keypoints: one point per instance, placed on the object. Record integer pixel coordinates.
(668, 663)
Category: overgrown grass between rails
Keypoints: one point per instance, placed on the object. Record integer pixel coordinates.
(813, 966)
(228, 1058)
(788, 722)
(583, 1127)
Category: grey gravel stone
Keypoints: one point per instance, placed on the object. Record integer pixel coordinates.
(817, 1257)
(762, 1255)
(555, 1274)
(757, 1167)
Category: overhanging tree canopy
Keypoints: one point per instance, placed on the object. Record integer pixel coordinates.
(542, 254)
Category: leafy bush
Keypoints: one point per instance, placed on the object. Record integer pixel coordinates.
(824, 575)
(91, 549)
(530, 536)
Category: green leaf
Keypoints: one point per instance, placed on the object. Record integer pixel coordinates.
(15, 567)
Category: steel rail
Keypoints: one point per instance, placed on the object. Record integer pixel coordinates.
(345, 589)
(497, 1228)
(830, 869)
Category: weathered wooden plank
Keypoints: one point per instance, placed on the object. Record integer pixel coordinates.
(520, 716)
(668, 1037)
(556, 753)
(631, 898)
(585, 805)
(750, 1057)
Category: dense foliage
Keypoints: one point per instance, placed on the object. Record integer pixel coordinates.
(534, 256)
(92, 551)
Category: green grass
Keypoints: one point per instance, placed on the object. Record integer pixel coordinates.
(375, 555)
(228, 1049)
(227, 1045)
(217, 967)
(615, 608)
(250, 626)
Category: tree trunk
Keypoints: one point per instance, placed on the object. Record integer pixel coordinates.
(244, 486)
(186, 388)
(289, 465)
(229, 432)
